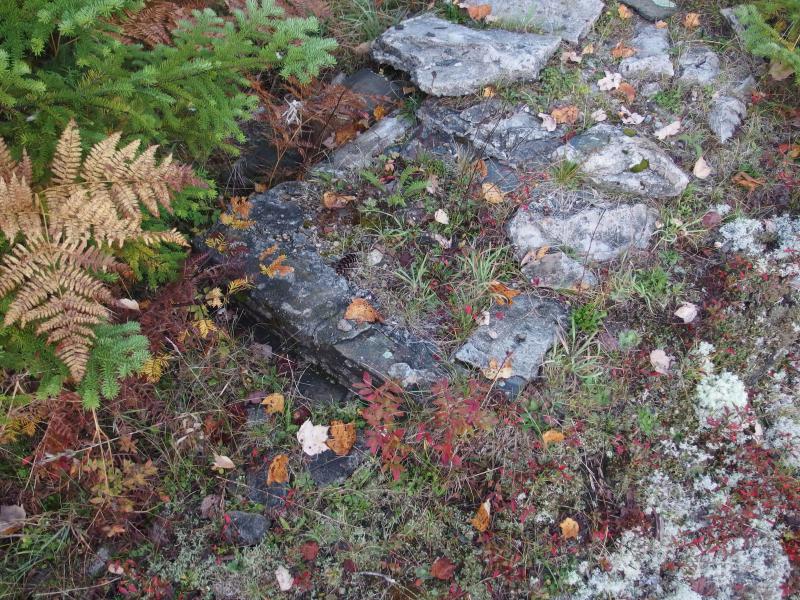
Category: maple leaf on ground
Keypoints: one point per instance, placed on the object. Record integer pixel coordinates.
(668, 130)
(701, 168)
(442, 568)
(622, 51)
(627, 90)
(278, 472)
(691, 20)
(284, 578)
(223, 462)
(660, 361)
(362, 311)
(501, 293)
(569, 528)
(332, 200)
(566, 114)
(611, 81)
(687, 312)
(274, 403)
(482, 517)
(495, 370)
(479, 12)
(343, 437)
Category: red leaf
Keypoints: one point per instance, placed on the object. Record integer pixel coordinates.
(442, 568)
(309, 550)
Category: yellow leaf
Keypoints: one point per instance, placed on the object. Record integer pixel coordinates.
(217, 242)
(566, 114)
(333, 200)
(239, 285)
(342, 437)
(234, 221)
(268, 252)
(277, 472)
(552, 436)
(215, 298)
(489, 91)
(495, 371)
(274, 403)
(479, 11)
(482, 517)
(204, 327)
(362, 311)
(379, 112)
(153, 367)
(569, 528)
(534, 256)
(276, 268)
(691, 20)
(624, 12)
(502, 293)
(492, 194)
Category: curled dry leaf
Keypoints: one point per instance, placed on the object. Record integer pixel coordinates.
(343, 436)
(552, 436)
(128, 304)
(479, 12)
(481, 168)
(534, 256)
(12, 518)
(624, 12)
(278, 472)
(313, 438)
(569, 528)
(622, 51)
(492, 194)
(599, 115)
(496, 371)
(443, 241)
(223, 462)
(443, 568)
(489, 91)
(701, 168)
(660, 361)
(627, 90)
(284, 578)
(273, 403)
(630, 118)
(610, 82)
(571, 56)
(668, 130)
(746, 181)
(548, 122)
(333, 200)
(440, 216)
(482, 517)
(566, 114)
(687, 312)
(661, 24)
(691, 20)
(501, 293)
(362, 311)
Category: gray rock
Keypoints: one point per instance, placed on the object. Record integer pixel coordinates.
(655, 10)
(330, 469)
(601, 231)
(699, 65)
(98, 564)
(246, 529)
(308, 304)
(651, 60)
(521, 332)
(407, 376)
(620, 163)
(570, 19)
(271, 495)
(514, 136)
(730, 16)
(559, 272)
(445, 59)
(361, 152)
(315, 386)
(729, 109)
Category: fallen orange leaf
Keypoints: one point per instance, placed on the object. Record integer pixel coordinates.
(492, 194)
(627, 90)
(691, 20)
(746, 181)
(622, 51)
(569, 528)
(495, 371)
(234, 221)
(566, 114)
(502, 293)
(333, 200)
(276, 268)
(482, 518)
(277, 472)
(479, 11)
(379, 112)
(624, 12)
(361, 311)
(342, 437)
(552, 436)
(481, 168)
(273, 403)
(241, 206)
(661, 24)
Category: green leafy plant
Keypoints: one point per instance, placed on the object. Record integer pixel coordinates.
(771, 28)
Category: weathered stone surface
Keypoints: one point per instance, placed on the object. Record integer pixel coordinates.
(620, 163)
(600, 231)
(361, 152)
(246, 529)
(329, 469)
(559, 272)
(514, 136)
(655, 10)
(521, 332)
(271, 495)
(729, 110)
(651, 60)
(445, 59)
(699, 65)
(570, 19)
(307, 304)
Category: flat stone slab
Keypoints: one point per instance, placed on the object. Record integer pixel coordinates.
(521, 332)
(652, 60)
(620, 163)
(599, 232)
(511, 135)
(307, 304)
(699, 65)
(446, 59)
(559, 272)
(655, 10)
(570, 19)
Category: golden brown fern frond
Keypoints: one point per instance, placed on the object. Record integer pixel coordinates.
(19, 208)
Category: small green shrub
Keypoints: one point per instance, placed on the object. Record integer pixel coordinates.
(772, 30)
(588, 318)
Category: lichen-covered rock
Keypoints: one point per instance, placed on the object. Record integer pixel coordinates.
(655, 10)
(514, 136)
(729, 109)
(599, 232)
(559, 272)
(328, 468)
(244, 528)
(445, 59)
(520, 332)
(652, 60)
(570, 19)
(699, 65)
(617, 162)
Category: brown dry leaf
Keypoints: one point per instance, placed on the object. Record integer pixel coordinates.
(333, 200)
(661, 24)
(566, 114)
(492, 194)
(622, 51)
(276, 268)
(379, 112)
(552, 436)
(701, 168)
(241, 206)
(481, 168)
(569, 528)
(624, 12)
(691, 20)
(234, 221)
(746, 181)
(489, 91)
(362, 311)
(223, 462)
(277, 472)
(534, 256)
(627, 90)
(482, 517)
(345, 134)
(443, 568)
(502, 293)
(343, 436)
(495, 371)
(274, 403)
(479, 11)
